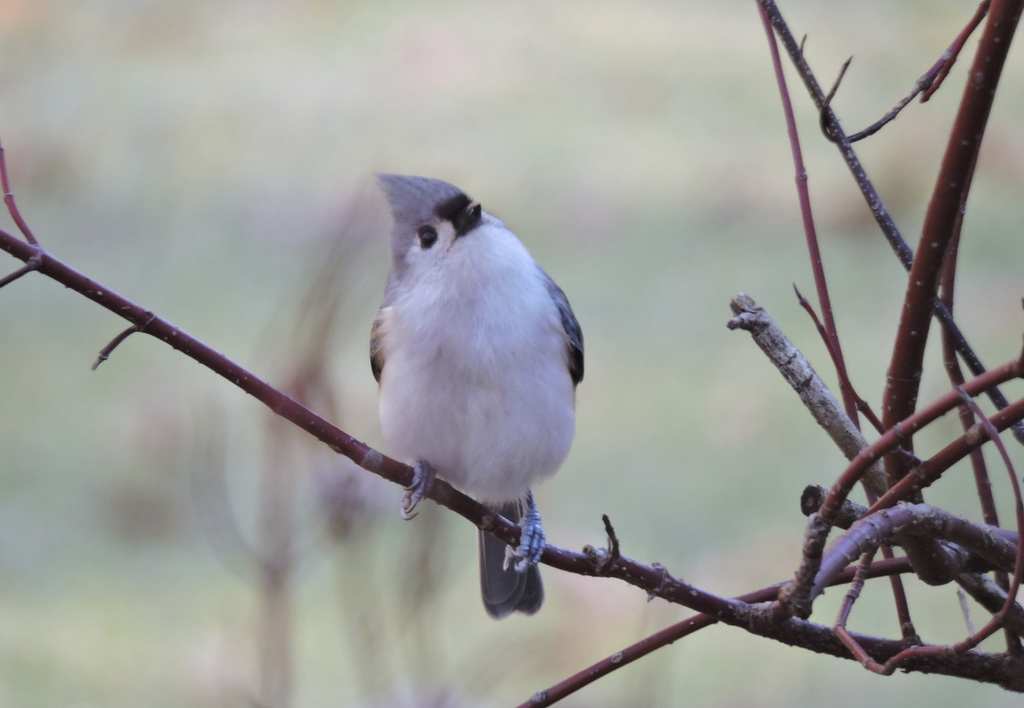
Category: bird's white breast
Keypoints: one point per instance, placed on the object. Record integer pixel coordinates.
(476, 380)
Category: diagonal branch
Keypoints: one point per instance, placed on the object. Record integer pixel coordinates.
(654, 580)
(798, 373)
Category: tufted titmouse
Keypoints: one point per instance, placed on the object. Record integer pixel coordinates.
(477, 354)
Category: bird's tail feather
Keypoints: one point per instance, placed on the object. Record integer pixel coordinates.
(504, 590)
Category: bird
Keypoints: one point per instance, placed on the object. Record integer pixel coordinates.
(477, 355)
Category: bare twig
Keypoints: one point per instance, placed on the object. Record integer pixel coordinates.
(965, 610)
(1018, 565)
(878, 209)
(30, 265)
(800, 375)
(993, 598)
(862, 405)
(950, 56)
(982, 482)
(113, 344)
(810, 233)
(799, 597)
(908, 519)
(12, 207)
(928, 84)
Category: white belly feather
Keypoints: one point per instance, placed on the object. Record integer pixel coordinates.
(484, 395)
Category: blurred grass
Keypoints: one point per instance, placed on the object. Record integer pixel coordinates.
(199, 157)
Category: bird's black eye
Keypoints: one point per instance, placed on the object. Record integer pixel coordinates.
(428, 236)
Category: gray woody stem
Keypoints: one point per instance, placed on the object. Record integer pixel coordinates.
(799, 373)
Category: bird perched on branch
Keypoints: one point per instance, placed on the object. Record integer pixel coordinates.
(478, 355)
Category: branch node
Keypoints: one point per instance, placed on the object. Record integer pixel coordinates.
(31, 264)
(663, 572)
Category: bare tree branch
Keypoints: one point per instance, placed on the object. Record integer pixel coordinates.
(801, 376)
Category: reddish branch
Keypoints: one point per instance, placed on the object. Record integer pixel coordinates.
(983, 484)
(942, 220)
(930, 559)
(799, 597)
(12, 207)
(878, 209)
(929, 83)
(810, 233)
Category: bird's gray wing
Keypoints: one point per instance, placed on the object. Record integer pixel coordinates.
(573, 333)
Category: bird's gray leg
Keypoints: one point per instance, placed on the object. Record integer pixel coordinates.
(531, 539)
(422, 479)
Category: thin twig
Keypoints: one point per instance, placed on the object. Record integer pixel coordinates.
(12, 207)
(32, 264)
(109, 349)
(950, 56)
(810, 233)
(613, 540)
(993, 598)
(982, 483)
(862, 405)
(1018, 566)
(801, 376)
(928, 83)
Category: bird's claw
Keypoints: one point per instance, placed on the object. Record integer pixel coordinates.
(422, 480)
(532, 541)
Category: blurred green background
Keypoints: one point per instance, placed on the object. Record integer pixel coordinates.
(213, 162)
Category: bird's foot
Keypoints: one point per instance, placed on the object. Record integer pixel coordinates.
(422, 479)
(532, 540)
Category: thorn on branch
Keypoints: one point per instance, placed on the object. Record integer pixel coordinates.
(107, 350)
(604, 558)
(613, 540)
(826, 104)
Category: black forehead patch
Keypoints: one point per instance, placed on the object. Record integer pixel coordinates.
(450, 208)
(463, 213)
